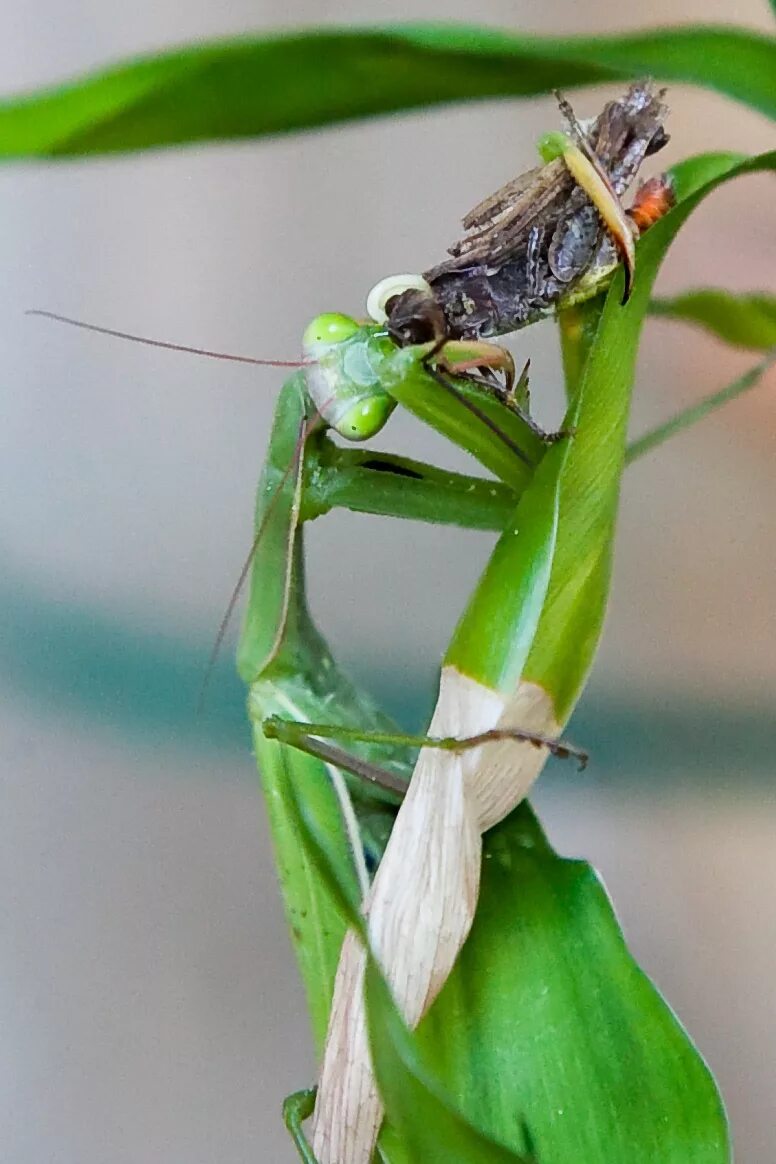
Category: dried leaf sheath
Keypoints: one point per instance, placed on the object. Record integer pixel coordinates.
(425, 893)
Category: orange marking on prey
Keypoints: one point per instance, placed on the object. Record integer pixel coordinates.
(653, 200)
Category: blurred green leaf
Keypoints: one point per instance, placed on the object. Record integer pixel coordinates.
(745, 320)
(256, 86)
(696, 412)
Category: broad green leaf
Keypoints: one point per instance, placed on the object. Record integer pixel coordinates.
(547, 1019)
(262, 85)
(547, 1032)
(422, 1121)
(745, 320)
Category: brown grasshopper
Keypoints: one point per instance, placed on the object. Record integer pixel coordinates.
(551, 236)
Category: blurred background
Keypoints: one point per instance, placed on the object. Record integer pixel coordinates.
(149, 1004)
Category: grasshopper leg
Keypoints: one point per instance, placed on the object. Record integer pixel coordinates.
(514, 395)
(445, 381)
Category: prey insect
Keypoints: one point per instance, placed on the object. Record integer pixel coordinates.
(547, 239)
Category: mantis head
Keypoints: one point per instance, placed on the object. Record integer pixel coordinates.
(342, 358)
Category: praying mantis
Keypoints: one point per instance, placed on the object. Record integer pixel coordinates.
(516, 663)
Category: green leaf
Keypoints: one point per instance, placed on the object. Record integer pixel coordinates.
(256, 86)
(696, 412)
(547, 1018)
(547, 1032)
(422, 1121)
(745, 320)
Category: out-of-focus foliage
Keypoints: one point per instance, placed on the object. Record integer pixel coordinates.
(745, 320)
(289, 81)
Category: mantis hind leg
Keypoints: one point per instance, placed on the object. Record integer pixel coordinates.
(296, 1109)
(309, 737)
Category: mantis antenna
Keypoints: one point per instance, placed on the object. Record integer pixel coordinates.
(154, 343)
(294, 466)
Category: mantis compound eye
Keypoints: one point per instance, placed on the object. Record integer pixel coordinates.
(329, 328)
(389, 288)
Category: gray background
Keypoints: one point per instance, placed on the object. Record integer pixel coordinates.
(149, 1006)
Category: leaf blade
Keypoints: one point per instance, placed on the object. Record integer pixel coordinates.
(547, 1004)
(252, 87)
(746, 320)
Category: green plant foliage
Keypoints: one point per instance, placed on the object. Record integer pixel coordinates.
(263, 85)
(423, 1122)
(548, 1034)
(565, 517)
(547, 1021)
(744, 320)
(704, 407)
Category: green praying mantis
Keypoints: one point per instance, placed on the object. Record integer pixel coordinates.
(531, 626)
